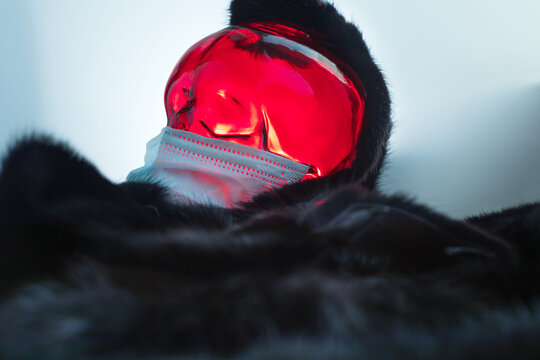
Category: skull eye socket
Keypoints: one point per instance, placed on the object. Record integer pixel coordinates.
(180, 102)
(178, 95)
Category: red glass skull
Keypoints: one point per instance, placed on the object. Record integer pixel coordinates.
(261, 86)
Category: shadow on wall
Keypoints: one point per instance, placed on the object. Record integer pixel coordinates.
(496, 164)
(19, 99)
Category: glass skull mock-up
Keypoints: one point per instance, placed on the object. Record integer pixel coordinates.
(253, 108)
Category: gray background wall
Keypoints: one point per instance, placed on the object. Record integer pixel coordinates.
(464, 76)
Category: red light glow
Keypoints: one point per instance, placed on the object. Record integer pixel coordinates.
(256, 88)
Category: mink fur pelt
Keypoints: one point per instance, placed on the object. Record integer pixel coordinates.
(91, 269)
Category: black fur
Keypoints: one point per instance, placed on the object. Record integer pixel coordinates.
(322, 21)
(96, 270)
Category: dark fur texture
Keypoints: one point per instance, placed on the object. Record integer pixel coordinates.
(325, 269)
(96, 270)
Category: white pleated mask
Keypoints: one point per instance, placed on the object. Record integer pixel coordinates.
(213, 172)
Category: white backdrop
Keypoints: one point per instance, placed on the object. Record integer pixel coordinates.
(464, 76)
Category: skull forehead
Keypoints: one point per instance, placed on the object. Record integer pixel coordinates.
(272, 59)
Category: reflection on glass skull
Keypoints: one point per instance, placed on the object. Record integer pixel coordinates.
(256, 86)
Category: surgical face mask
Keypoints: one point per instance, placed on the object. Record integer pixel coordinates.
(208, 171)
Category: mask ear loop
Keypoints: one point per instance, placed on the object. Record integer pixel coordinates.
(312, 173)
